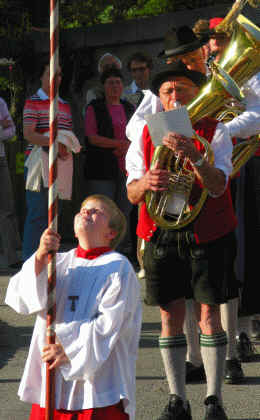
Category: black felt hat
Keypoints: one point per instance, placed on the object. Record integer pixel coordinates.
(181, 41)
(176, 69)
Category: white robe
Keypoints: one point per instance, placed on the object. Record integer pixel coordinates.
(100, 337)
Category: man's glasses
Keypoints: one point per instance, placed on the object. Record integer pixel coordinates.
(138, 69)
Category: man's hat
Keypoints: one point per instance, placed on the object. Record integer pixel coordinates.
(176, 69)
(181, 40)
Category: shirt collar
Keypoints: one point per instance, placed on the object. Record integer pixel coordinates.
(91, 254)
(44, 96)
(134, 87)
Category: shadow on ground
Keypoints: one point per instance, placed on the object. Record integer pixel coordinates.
(11, 339)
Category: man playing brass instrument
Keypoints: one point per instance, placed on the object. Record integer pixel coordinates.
(201, 253)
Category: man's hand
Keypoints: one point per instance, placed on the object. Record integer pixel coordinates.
(182, 146)
(5, 123)
(55, 354)
(156, 179)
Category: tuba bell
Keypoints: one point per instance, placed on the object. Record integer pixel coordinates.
(241, 60)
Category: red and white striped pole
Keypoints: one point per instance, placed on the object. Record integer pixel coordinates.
(53, 199)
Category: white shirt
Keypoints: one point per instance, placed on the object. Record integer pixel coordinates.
(132, 88)
(221, 145)
(100, 337)
(149, 105)
(248, 123)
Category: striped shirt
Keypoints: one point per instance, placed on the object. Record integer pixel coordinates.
(36, 111)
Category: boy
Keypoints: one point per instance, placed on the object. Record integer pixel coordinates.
(98, 319)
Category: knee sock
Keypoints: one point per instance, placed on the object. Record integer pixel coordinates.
(229, 320)
(173, 351)
(213, 352)
(192, 334)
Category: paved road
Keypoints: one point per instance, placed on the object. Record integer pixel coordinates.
(241, 401)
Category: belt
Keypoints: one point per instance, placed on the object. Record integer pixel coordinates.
(167, 236)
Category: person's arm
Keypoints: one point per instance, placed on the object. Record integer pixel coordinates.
(32, 136)
(7, 127)
(27, 290)
(154, 180)
(247, 123)
(95, 139)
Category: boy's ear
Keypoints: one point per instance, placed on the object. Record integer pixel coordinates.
(111, 234)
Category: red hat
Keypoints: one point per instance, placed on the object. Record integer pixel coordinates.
(214, 22)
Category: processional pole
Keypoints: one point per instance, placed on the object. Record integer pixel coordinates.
(53, 199)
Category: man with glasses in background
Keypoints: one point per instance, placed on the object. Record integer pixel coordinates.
(140, 66)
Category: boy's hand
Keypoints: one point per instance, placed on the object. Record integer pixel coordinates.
(54, 353)
(50, 241)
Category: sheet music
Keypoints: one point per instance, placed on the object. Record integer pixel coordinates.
(161, 123)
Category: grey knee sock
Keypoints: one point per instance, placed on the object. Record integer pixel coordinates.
(173, 351)
(213, 352)
(229, 320)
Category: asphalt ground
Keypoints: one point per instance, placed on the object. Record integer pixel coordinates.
(240, 401)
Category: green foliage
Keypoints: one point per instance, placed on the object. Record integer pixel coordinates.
(14, 19)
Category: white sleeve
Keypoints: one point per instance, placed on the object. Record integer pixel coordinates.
(247, 124)
(222, 147)
(135, 166)
(149, 105)
(89, 343)
(26, 293)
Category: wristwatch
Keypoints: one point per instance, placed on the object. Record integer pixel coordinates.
(198, 162)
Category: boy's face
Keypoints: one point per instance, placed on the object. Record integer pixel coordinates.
(93, 222)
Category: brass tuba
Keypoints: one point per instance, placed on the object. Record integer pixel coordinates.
(241, 60)
(172, 209)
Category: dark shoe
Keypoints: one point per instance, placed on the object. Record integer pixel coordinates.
(245, 348)
(233, 372)
(214, 411)
(174, 410)
(256, 329)
(194, 373)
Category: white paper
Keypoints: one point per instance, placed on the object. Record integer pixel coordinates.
(161, 123)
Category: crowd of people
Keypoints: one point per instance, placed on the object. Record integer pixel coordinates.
(207, 317)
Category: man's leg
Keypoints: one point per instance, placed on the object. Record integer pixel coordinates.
(213, 343)
(173, 348)
(194, 364)
(229, 319)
